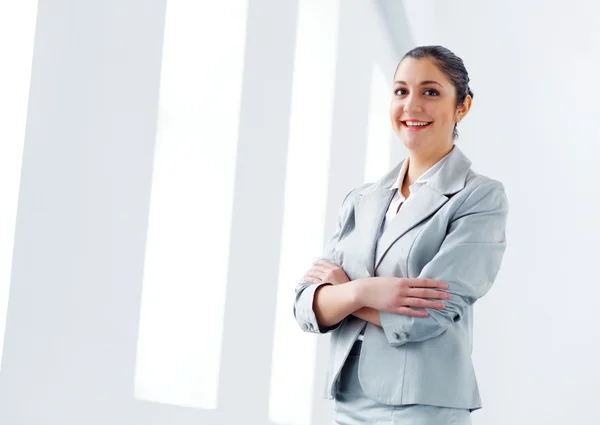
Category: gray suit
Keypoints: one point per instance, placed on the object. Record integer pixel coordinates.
(452, 229)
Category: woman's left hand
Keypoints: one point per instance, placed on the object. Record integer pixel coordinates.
(326, 271)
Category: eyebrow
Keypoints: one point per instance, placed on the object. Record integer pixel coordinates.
(423, 83)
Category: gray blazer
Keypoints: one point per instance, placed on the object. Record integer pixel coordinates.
(452, 230)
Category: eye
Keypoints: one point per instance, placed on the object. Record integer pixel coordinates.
(402, 91)
(432, 92)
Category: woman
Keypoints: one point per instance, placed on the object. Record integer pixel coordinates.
(411, 254)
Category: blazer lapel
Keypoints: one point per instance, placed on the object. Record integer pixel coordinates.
(369, 213)
(373, 205)
(418, 207)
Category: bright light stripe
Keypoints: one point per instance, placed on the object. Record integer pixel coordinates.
(17, 34)
(183, 299)
(378, 153)
(292, 378)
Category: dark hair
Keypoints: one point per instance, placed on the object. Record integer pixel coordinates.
(451, 65)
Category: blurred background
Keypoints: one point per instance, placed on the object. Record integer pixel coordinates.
(169, 170)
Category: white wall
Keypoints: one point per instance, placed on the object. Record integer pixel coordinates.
(155, 253)
(17, 31)
(534, 67)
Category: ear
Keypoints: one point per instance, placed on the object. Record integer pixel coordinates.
(463, 109)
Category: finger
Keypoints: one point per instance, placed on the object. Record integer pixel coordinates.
(316, 275)
(406, 311)
(320, 269)
(311, 279)
(427, 283)
(420, 302)
(324, 263)
(428, 293)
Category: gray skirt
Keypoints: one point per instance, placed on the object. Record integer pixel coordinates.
(353, 407)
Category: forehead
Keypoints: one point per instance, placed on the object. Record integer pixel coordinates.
(413, 71)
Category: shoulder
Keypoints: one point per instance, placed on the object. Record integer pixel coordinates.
(352, 197)
(481, 191)
(475, 180)
(357, 192)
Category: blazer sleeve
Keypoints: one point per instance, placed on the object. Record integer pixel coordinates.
(468, 261)
(305, 291)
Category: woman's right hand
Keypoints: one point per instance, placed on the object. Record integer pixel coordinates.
(398, 295)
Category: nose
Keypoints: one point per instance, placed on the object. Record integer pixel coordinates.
(412, 104)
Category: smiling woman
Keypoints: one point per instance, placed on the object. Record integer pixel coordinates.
(418, 247)
(446, 63)
(431, 91)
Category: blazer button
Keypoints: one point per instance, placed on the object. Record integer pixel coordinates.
(401, 335)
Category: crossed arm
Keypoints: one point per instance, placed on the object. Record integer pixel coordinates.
(368, 314)
(468, 261)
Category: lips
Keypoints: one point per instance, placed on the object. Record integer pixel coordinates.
(415, 125)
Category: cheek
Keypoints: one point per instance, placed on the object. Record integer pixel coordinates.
(396, 108)
(443, 116)
(449, 119)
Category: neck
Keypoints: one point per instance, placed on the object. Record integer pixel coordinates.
(420, 162)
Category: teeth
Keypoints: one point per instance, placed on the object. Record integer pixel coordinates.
(416, 123)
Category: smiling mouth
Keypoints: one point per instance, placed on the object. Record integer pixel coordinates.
(415, 125)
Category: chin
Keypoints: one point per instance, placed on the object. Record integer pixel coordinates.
(413, 143)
